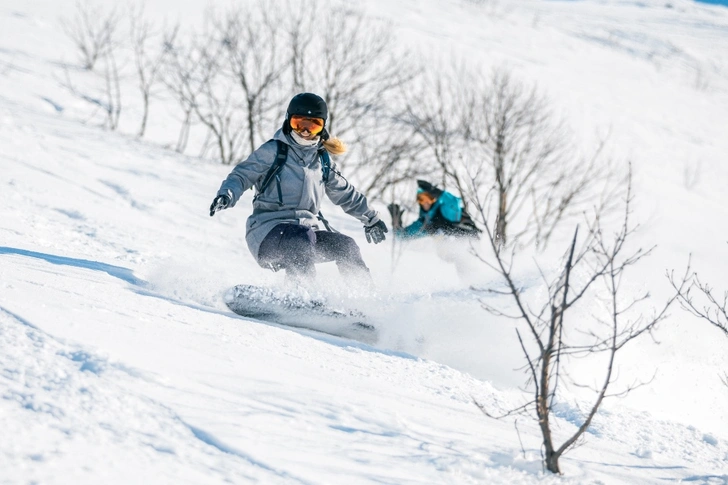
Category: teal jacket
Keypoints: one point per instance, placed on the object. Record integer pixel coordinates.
(444, 217)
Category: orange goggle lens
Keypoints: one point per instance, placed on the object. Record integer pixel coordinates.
(303, 123)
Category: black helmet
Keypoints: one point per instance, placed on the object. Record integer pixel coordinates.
(308, 104)
(424, 186)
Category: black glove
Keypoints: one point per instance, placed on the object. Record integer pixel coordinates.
(221, 202)
(396, 212)
(375, 232)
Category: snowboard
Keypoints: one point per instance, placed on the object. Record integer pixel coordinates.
(277, 306)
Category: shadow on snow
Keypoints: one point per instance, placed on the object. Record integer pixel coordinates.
(123, 274)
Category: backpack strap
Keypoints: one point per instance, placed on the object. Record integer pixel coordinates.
(325, 164)
(274, 171)
(328, 227)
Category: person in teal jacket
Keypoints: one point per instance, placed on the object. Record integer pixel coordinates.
(440, 213)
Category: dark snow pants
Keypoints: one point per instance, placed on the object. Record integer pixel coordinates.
(298, 248)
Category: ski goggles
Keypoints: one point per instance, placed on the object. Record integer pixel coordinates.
(300, 124)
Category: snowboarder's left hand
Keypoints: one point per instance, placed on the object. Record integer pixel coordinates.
(375, 231)
(221, 202)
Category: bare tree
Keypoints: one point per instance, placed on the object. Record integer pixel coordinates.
(105, 94)
(228, 79)
(257, 62)
(714, 309)
(112, 88)
(355, 67)
(439, 111)
(300, 36)
(711, 307)
(392, 160)
(358, 68)
(547, 337)
(188, 68)
(148, 64)
(216, 106)
(93, 32)
(237, 77)
(533, 167)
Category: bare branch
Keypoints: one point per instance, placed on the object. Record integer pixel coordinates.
(148, 64)
(715, 311)
(518, 410)
(599, 262)
(92, 31)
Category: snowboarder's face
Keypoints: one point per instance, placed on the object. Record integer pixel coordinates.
(425, 200)
(308, 128)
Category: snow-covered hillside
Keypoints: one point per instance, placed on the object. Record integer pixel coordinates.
(119, 363)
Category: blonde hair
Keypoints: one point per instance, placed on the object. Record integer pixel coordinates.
(335, 146)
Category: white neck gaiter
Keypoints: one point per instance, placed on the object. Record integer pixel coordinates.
(302, 141)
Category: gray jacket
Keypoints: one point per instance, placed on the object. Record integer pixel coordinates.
(302, 189)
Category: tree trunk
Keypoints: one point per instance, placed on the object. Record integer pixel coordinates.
(251, 125)
(145, 114)
(552, 462)
(501, 222)
(551, 457)
(184, 133)
(502, 184)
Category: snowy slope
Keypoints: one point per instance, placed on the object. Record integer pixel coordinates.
(120, 364)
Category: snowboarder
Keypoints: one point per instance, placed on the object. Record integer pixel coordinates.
(291, 173)
(440, 213)
(443, 218)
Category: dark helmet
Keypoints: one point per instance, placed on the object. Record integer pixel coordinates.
(424, 186)
(308, 104)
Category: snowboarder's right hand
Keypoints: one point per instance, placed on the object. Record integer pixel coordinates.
(375, 230)
(221, 202)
